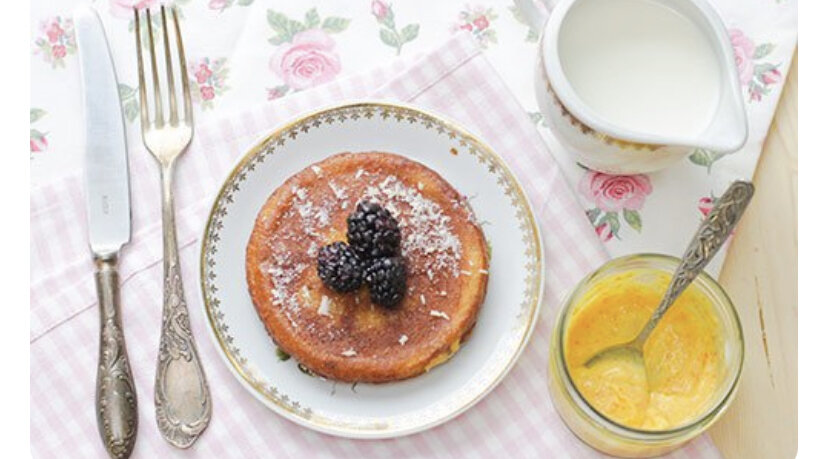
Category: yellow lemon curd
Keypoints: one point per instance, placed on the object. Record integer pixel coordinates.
(683, 357)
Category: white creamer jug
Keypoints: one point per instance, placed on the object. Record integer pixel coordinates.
(632, 86)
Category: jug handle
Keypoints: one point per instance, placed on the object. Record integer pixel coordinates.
(535, 12)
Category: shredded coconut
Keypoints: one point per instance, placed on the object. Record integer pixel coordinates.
(338, 192)
(436, 313)
(422, 299)
(283, 270)
(403, 339)
(350, 352)
(317, 170)
(426, 230)
(324, 306)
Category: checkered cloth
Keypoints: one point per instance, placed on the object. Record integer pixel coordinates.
(515, 420)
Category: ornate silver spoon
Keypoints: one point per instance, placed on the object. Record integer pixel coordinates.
(709, 238)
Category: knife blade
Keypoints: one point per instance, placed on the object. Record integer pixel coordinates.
(107, 174)
(109, 220)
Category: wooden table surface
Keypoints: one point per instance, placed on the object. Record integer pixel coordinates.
(760, 274)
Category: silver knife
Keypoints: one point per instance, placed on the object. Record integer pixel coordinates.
(108, 215)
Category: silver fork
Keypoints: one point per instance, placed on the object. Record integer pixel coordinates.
(182, 397)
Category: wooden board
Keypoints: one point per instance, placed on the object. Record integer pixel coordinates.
(760, 274)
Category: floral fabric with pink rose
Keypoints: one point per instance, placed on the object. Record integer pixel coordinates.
(614, 195)
(243, 52)
(305, 53)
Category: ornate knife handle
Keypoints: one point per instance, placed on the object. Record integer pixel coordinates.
(115, 401)
(182, 397)
(709, 238)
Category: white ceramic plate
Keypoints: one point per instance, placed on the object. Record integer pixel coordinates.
(386, 410)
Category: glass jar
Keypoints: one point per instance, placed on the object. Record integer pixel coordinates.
(608, 436)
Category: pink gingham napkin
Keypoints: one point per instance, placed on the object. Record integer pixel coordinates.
(516, 420)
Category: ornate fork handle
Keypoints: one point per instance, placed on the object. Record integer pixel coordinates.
(709, 238)
(115, 400)
(182, 397)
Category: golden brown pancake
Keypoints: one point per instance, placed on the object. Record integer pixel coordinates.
(344, 336)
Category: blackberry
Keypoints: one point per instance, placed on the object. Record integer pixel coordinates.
(339, 267)
(386, 280)
(373, 232)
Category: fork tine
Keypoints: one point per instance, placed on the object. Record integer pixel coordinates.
(159, 114)
(142, 85)
(185, 79)
(170, 78)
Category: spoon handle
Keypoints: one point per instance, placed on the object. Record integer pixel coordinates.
(709, 238)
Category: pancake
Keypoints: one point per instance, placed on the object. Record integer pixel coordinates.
(344, 336)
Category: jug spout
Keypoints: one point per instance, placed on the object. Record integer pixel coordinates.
(728, 129)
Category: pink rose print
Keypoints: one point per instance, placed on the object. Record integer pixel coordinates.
(54, 32)
(384, 14)
(218, 4)
(772, 76)
(305, 54)
(308, 60)
(614, 196)
(379, 9)
(59, 51)
(56, 41)
(277, 92)
(208, 78)
(203, 73)
(478, 20)
(123, 8)
(207, 93)
(756, 75)
(37, 140)
(612, 193)
(604, 232)
(221, 5)
(706, 205)
(743, 49)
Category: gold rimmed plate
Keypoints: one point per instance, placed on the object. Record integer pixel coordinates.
(393, 409)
